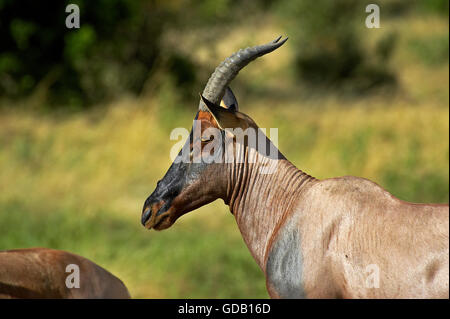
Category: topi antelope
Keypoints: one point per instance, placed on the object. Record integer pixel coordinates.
(41, 273)
(343, 237)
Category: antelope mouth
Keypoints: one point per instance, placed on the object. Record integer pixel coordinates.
(159, 222)
(162, 223)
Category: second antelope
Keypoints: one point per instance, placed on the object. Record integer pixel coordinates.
(311, 238)
(41, 273)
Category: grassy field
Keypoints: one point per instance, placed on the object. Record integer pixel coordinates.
(78, 182)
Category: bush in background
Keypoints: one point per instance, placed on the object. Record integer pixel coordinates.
(120, 48)
(117, 50)
(111, 54)
(329, 50)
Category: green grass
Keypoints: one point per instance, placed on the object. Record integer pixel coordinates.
(179, 263)
(431, 50)
(79, 184)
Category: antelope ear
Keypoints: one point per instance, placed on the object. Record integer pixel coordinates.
(229, 101)
(228, 118)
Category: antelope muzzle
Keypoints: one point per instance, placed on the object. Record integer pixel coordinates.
(158, 212)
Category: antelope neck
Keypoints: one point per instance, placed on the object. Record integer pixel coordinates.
(260, 202)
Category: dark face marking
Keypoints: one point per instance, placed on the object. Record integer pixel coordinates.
(174, 192)
(284, 264)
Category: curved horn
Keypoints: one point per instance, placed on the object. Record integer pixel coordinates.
(229, 68)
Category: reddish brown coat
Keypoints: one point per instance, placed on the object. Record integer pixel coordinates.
(41, 273)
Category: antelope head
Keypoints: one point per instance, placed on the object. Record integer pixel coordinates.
(203, 172)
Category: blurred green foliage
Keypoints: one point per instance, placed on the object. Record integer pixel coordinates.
(120, 48)
(330, 50)
(434, 6)
(117, 50)
(432, 50)
(109, 55)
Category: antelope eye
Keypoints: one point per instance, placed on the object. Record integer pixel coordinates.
(206, 138)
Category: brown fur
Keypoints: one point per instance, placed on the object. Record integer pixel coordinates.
(40, 273)
(348, 223)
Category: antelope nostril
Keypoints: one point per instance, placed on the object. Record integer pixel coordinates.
(146, 215)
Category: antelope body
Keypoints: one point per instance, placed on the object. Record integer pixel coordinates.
(41, 273)
(311, 238)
